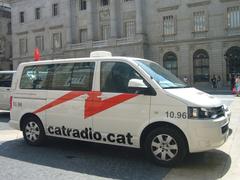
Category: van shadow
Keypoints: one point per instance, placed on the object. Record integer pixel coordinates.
(212, 164)
(86, 158)
(111, 161)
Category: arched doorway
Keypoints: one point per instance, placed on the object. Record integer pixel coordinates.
(170, 62)
(201, 66)
(232, 57)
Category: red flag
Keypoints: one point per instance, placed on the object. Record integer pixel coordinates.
(36, 54)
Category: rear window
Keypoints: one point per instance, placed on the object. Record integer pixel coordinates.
(6, 80)
(65, 76)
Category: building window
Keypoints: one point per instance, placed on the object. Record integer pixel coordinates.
(170, 62)
(105, 32)
(199, 21)
(21, 17)
(168, 25)
(9, 28)
(104, 2)
(201, 66)
(83, 35)
(129, 29)
(37, 13)
(39, 41)
(55, 9)
(82, 5)
(57, 41)
(233, 17)
(23, 46)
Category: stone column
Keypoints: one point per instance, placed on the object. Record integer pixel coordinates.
(113, 18)
(139, 16)
(90, 20)
(72, 31)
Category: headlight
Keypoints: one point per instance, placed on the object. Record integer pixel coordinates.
(202, 113)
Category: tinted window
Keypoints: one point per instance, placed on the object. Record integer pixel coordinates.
(115, 77)
(78, 76)
(36, 77)
(82, 76)
(62, 77)
(6, 80)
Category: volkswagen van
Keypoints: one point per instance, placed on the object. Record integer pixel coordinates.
(120, 101)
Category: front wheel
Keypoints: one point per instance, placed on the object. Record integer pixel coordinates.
(165, 146)
(33, 132)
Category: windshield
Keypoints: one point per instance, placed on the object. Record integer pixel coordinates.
(162, 76)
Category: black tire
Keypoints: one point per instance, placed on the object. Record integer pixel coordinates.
(33, 131)
(173, 152)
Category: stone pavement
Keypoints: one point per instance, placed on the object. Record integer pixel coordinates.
(221, 163)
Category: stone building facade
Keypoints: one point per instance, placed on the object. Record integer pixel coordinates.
(192, 38)
(5, 37)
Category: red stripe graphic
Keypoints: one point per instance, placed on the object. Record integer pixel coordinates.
(93, 104)
(65, 98)
(96, 105)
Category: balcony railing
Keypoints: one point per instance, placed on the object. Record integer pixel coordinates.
(106, 43)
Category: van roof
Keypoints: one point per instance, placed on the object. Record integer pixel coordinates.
(78, 59)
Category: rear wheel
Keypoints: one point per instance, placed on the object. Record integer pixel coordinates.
(33, 131)
(165, 146)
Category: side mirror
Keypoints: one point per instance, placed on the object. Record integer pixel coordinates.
(137, 83)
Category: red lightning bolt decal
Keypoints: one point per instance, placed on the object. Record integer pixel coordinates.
(65, 98)
(93, 103)
(96, 105)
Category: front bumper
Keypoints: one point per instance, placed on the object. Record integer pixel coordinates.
(208, 134)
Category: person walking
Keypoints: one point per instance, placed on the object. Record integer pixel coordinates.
(232, 82)
(214, 81)
(237, 84)
(185, 79)
(219, 85)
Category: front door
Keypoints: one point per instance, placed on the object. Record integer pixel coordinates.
(119, 112)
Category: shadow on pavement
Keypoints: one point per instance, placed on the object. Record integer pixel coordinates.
(86, 158)
(110, 161)
(212, 164)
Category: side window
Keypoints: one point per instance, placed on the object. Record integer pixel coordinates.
(82, 76)
(36, 77)
(62, 77)
(5, 80)
(115, 77)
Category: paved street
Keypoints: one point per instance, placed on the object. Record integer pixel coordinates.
(63, 159)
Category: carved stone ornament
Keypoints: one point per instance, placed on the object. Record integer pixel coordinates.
(104, 14)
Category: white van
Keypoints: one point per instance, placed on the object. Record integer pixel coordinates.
(5, 87)
(116, 100)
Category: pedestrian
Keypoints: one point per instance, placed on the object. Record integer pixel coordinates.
(219, 81)
(214, 81)
(232, 82)
(185, 79)
(237, 84)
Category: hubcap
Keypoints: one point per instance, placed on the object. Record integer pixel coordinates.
(164, 147)
(32, 131)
